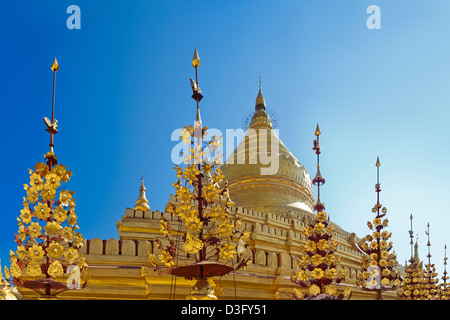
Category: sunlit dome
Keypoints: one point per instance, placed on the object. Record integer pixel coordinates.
(285, 187)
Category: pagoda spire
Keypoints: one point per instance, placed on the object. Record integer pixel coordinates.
(260, 101)
(377, 186)
(411, 236)
(378, 265)
(413, 285)
(318, 266)
(318, 179)
(416, 251)
(49, 209)
(142, 202)
(52, 125)
(444, 289)
(198, 227)
(197, 96)
(430, 280)
(428, 243)
(260, 118)
(445, 264)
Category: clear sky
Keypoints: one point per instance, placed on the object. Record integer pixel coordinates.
(123, 88)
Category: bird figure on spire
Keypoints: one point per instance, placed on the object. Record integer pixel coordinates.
(51, 127)
(197, 92)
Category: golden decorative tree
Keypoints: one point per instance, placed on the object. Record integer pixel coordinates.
(378, 264)
(48, 242)
(430, 281)
(443, 290)
(412, 282)
(207, 232)
(319, 265)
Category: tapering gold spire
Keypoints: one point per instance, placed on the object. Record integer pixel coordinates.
(196, 59)
(317, 133)
(378, 162)
(318, 179)
(198, 118)
(260, 102)
(416, 252)
(142, 202)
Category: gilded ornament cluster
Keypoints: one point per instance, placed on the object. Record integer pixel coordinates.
(203, 207)
(47, 240)
(319, 265)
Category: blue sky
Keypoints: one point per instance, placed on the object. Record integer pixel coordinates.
(123, 88)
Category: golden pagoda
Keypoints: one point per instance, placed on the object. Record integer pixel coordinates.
(274, 200)
(283, 186)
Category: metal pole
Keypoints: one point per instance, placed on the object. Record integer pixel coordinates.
(53, 111)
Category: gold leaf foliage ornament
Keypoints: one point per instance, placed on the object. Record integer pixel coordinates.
(378, 265)
(192, 244)
(201, 226)
(318, 265)
(47, 241)
(55, 269)
(33, 269)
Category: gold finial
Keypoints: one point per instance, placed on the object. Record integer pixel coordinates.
(196, 59)
(378, 162)
(416, 251)
(142, 202)
(260, 102)
(55, 65)
(198, 118)
(317, 133)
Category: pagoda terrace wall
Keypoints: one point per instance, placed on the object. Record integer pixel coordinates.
(274, 243)
(119, 269)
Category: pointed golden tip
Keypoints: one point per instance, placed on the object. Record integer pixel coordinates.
(378, 162)
(260, 98)
(411, 216)
(198, 118)
(55, 65)
(317, 133)
(142, 202)
(196, 59)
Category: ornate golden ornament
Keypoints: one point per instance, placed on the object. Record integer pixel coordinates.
(318, 265)
(47, 218)
(378, 263)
